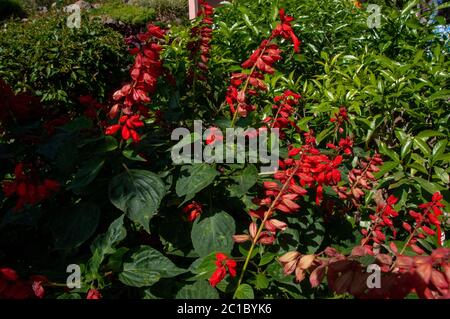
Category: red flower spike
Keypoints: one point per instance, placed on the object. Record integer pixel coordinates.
(93, 294)
(192, 210)
(223, 264)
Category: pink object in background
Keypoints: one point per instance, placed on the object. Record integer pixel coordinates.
(193, 6)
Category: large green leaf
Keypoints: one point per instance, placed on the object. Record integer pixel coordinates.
(213, 233)
(244, 291)
(199, 290)
(86, 174)
(245, 180)
(106, 242)
(104, 245)
(138, 193)
(73, 227)
(146, 267)
(193, 178)
(428, 186)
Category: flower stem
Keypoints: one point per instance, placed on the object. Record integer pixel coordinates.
(267, 214)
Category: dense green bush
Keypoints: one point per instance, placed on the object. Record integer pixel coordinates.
(60, 63)
(166, 9)
(10, 8)
(126, 13)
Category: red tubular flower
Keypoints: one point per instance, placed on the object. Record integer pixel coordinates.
(283, 111)
(146, 70)
(127, 125)
(18, 108)
(261, 62)
(12, 287)
(430, 215)
(346, 145)
(223, 264)
(360, 178)
(192, 210)
(284, 29)
(214, 136)
(28, 188)
(94, 294)
(200, 47)
(340, 118)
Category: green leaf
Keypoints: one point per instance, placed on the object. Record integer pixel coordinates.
(386, 168)
(73, 227)
(442, 174)
(204, 267)
(423, 146)
(406, 147)
(138, 193)
(199, 290)
(245, 180)
(106, 242)
(386, 151)
(439, 149)
(213, 233)
(146, 267)
(77, 124)
(133, 156)
(244, 291)
(429, 133)
(86, 174)
(266, 258)
(428, 186)
(261, 281)
(194, 178)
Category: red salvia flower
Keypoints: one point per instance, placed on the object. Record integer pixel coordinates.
(94, 294)
(283, 111)
(13, 287)
(284, 29)
(132, 96)
(223, 264)
(192, 210)
(200, 47)
(28, 188)
(340, 118)
(127, 125)
(261, 62)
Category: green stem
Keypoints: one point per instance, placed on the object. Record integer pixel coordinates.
(235, 115)
(261, 227)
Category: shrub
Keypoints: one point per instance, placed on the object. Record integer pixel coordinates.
(58, 63)
(11, 8)
(166, 10)
(127, 13)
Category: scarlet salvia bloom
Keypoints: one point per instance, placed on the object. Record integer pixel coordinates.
(192, 211)
(94, 294)
(132, 96)
(284, 29)
(340, 118)
(127, 125)
(283, 111)
(28, 188)
(224, 265)
(214, 136)
(360, 178)
(261, 62)
(200, 47)
(426, 220)
(12, 287)
(17, 108)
